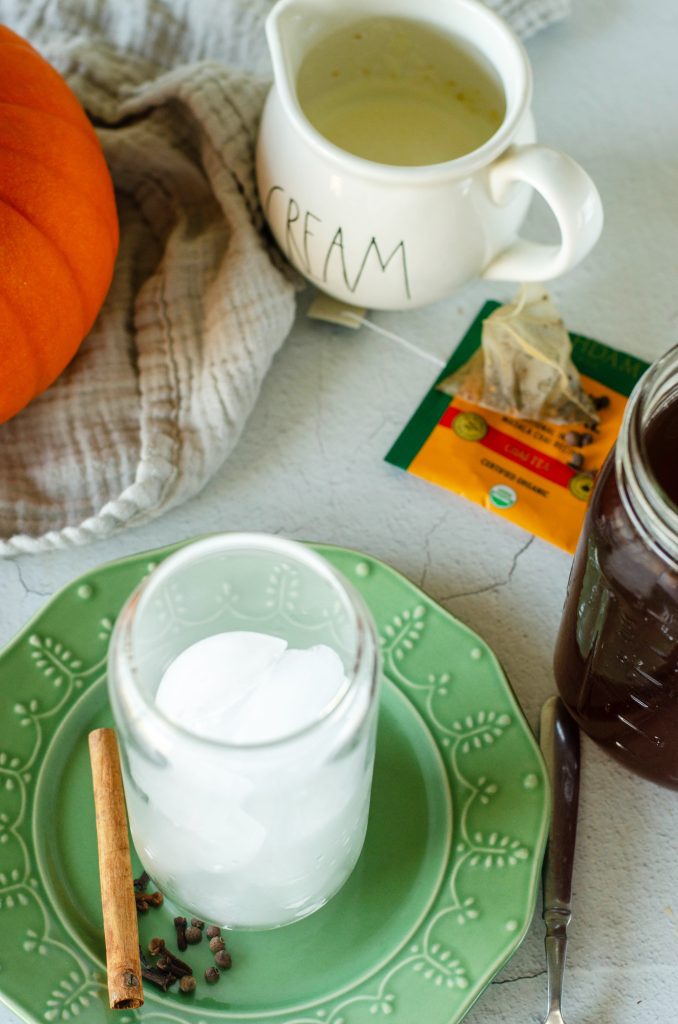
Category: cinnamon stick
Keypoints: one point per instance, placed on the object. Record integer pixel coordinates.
(123, 966)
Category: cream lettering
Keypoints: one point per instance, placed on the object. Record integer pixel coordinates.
(323, 259)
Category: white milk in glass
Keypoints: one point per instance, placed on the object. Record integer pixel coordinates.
(399, 92)
(248, 752)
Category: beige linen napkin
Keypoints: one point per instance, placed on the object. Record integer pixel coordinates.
(159, 392)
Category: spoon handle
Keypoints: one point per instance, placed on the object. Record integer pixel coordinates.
(559, 740)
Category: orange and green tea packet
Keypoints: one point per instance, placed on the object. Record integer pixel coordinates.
(527, 471)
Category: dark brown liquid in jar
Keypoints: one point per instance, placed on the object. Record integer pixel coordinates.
(661, 445)
(616, 660)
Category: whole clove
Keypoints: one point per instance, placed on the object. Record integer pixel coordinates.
(144, 900)
(164, 965)
(171, 963)
(156, 946)
(576, 439)
(158, 978)
(573, 438)
(180, 926)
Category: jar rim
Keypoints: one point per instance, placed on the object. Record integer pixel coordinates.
(121, 662)
(646, 501)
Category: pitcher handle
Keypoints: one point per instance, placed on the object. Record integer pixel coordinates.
(575, 203)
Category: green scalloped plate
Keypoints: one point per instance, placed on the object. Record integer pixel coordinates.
(442, 895)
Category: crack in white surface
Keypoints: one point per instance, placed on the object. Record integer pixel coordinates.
(289, 532)
(492, 586)
(385, 420)
(428, 557)
(520, 977)
(25, 587)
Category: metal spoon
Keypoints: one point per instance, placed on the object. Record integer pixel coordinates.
(559, 741)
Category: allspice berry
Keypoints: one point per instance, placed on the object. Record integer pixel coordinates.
(217, 944)
(193, 935)
(187, 983)
(223, 959)
(211, 975)
(213, 931)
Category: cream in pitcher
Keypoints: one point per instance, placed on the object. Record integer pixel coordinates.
(397, 92)
(396, 155)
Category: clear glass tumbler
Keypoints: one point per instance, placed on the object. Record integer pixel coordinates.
(247, 835)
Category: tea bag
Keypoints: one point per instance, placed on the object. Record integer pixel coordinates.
(524, 366)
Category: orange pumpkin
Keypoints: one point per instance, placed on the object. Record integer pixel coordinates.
(58, 224)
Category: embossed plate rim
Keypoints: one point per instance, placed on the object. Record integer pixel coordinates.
(380, 1001)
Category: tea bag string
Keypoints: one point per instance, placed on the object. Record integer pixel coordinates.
(392, 336)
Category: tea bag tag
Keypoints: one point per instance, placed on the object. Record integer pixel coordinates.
(335, 312)
(332, 311)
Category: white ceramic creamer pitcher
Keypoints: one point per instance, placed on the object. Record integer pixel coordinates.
(385, 236)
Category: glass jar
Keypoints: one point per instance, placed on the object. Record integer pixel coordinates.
(246, 834)
(616, 659)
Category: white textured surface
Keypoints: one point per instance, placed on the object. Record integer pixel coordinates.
(310, 465)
